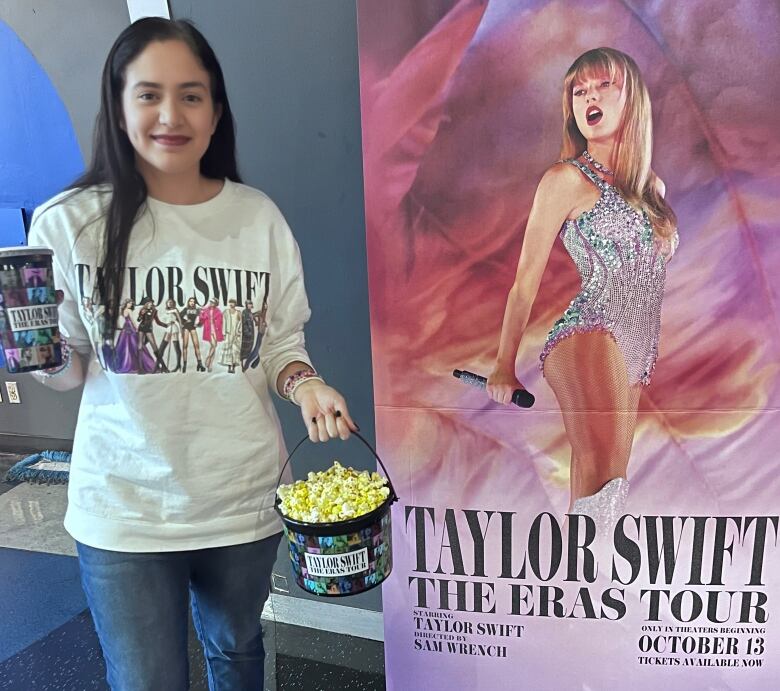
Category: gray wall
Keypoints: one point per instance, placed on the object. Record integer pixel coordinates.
(292, 75)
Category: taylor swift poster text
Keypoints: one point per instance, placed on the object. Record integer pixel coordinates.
(463, 107)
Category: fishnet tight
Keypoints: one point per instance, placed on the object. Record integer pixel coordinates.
(587, 373)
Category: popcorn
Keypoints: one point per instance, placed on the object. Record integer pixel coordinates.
(336, 494)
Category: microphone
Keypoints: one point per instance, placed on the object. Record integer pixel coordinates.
(520, 397)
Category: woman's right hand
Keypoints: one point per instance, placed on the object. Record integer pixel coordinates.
(501, 384)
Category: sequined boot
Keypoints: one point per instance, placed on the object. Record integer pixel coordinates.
(605, 507)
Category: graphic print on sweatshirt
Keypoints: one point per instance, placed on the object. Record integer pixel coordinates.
(166, 323)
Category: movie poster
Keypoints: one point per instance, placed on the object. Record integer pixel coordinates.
(493, 587)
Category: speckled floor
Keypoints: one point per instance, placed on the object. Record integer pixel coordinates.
(6, 461)
(47, 640)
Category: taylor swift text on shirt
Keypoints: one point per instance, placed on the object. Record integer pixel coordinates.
(160, 283)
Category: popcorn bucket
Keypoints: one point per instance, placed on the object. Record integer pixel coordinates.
(29, 331)
(342, 557)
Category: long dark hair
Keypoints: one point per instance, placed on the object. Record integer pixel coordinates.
(113, 156)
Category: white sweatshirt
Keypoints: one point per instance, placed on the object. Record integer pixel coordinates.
(164, 460)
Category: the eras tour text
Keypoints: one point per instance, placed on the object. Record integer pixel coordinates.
(452, 548)
(705, 602)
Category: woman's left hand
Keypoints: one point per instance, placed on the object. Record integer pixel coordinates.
(324, 411)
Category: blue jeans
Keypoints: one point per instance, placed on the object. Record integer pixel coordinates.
(139, 604)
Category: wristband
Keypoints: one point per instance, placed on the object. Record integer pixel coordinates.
(296, 379)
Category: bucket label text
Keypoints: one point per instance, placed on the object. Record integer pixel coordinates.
(29, 318)
(329, 565)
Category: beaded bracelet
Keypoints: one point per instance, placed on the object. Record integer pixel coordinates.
(55, 371)
(296, 379)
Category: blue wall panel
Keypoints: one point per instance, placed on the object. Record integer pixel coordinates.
(39, 154)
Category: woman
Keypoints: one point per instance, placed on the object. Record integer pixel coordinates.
(147, 318)
(128, 357)
(231, 347)
(247, 330)
(189, 324)
(94, 316)
(260, 326)
(609, 208)
(172, 331)
(211, 320)
(154, 519)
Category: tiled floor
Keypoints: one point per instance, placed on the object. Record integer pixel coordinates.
(47, 640)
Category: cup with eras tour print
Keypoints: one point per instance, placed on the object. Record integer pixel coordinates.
(28, 310)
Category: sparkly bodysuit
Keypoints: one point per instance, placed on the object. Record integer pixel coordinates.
(623, 271)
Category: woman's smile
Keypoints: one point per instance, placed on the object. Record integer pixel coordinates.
(171, 141)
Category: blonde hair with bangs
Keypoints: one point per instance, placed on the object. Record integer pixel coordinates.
(633, 174)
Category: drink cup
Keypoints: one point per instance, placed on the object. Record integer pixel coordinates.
(29, 329)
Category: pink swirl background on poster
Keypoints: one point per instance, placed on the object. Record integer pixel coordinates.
(461, 116)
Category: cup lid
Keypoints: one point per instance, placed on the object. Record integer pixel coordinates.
(22, 250)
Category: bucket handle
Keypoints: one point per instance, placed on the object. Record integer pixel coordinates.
(393, 495)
